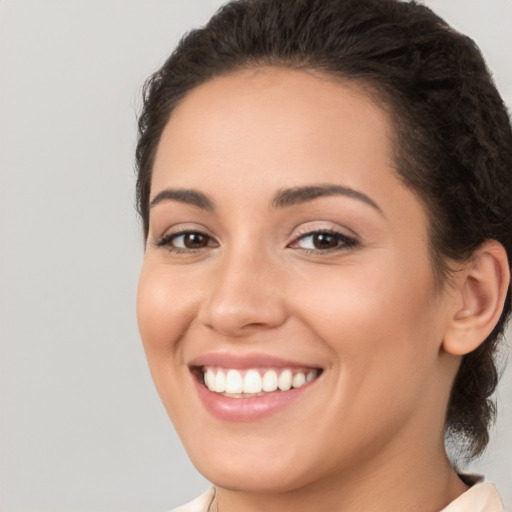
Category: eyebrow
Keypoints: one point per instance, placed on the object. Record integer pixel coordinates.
(282, 199)
(188, 196)
(296, 195)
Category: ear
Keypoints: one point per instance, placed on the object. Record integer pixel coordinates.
(481, 289)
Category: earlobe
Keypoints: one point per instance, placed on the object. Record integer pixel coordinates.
(482, 289)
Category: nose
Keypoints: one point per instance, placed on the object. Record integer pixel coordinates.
(244, 297)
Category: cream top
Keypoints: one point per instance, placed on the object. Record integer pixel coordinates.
(482, 497)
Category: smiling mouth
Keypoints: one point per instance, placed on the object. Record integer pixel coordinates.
(250, 383)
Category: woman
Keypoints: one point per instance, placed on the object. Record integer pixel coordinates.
(326, 194)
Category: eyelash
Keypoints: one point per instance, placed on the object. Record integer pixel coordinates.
(167, 240)
(344, 242)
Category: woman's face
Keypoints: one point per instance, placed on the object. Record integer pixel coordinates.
(283, 251)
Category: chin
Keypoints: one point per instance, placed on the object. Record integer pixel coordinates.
(266, 464)
(263, 476)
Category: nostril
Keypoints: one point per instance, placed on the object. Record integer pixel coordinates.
(254, 325)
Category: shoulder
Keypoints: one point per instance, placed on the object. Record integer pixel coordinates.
(200, 504)
(481, 497)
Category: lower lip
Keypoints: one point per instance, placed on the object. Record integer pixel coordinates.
(248, 409)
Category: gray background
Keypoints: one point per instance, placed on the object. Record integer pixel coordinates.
(81, 426)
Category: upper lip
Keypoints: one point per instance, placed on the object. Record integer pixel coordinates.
(246, 361)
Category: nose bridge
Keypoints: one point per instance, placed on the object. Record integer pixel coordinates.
(245, 294)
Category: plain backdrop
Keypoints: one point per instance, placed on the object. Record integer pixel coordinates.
(81, 426)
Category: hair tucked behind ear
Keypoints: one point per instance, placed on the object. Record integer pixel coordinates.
(453, 141)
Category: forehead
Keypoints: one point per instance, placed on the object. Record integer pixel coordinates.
(273, 121)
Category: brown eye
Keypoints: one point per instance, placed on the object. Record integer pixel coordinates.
(195, 240)
(186, 241)
(324, 241)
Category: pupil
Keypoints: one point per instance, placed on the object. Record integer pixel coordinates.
(324, 241)
(194, 241)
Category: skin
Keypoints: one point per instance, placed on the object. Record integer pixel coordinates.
(368, 434)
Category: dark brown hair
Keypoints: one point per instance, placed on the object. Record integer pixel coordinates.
(453, 141)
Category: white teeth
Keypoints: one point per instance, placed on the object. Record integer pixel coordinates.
(252, 382)
(284, 382)
(234, 382)
(220, 382)
(299, 379)
(270, 381)
(209, 379)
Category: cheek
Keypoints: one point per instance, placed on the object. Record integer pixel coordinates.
(163, 309)
(379, 328)
(376, 319)
(163, 315)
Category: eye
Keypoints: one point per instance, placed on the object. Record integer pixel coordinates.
(323, 241)
(186, 241)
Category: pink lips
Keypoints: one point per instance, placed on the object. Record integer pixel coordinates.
(245, 361)
(245, 409)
